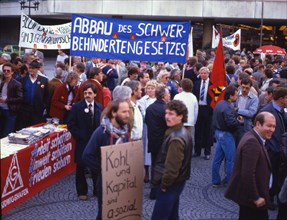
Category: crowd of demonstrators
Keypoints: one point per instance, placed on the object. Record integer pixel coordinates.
(254, 85)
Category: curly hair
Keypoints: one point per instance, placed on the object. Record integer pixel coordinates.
(179, 107)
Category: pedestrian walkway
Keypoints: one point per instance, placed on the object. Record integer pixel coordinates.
(199, 200)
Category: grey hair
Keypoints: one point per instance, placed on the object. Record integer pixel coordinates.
(26, 56)
(204, 68)
(122, 93)
(6, 57)
(71, 76)
(133, 84)
(59, 72)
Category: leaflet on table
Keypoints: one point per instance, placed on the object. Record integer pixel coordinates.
(8, 149)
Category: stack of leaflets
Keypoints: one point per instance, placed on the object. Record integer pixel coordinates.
(28, 136)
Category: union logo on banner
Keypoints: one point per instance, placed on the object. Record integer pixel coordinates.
(14, 180)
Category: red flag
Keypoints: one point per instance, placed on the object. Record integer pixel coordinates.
(217, 78)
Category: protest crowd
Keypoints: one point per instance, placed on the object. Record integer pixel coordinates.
(168, 107)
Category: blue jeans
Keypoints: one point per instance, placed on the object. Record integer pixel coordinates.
(7, 122)
(167, 203)
(225, 147)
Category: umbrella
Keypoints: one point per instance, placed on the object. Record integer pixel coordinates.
(270, 49)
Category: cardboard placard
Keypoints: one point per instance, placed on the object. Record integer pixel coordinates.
(122, 179)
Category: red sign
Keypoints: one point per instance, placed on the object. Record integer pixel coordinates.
(36, 167)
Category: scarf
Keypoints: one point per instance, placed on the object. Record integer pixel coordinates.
(119, 133)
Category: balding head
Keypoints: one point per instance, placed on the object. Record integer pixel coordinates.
(59, 73)
(265, 124)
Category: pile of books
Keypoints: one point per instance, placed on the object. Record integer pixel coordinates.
(28, 136)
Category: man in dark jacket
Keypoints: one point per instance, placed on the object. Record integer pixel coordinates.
(113, 130)
(203, 136)
(156, 125)
(172, 166)
(249, 182)
(83, 120)
(11, 96)
(273, 146)
(35, 96)
(225, 124)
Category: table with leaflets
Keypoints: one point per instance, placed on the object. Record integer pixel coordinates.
(26, 169)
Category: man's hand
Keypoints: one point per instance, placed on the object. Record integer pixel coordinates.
(163, 190)
(2, 100)
(260, 202)
(68, 107)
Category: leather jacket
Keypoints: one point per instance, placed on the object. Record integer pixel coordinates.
(184, 172)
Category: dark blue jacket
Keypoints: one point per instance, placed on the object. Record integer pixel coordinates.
(274, 143)
(92, 152)
(171, 88)
(81, 126)
(156, 125)
(196, 92)
(225, 117)
(41, 94)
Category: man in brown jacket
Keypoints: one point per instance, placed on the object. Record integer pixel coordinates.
(172, 165)
(249, 184)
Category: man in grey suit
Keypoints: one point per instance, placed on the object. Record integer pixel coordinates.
(249, 183)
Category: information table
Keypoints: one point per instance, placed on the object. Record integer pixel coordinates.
(26, 170)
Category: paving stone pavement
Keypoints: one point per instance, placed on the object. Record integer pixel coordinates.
(198, 200)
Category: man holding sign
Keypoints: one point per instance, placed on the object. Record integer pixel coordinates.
(172, 166)
(113, 130)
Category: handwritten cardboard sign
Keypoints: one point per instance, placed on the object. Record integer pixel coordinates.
(122, 176)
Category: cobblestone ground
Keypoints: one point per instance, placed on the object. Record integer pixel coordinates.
(198, 201)
(59, 201)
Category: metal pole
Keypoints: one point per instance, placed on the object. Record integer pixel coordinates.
(29, 8)
(261, 24)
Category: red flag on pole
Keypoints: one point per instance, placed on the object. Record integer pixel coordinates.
(217, 78)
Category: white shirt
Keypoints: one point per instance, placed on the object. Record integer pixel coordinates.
(137, 130)
(70, 96)
(191, 104)
(61, 58)
(204, 102)
(126, 80)
(92, 103)
(33, 80)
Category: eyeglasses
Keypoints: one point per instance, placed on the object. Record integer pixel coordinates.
(7, 71)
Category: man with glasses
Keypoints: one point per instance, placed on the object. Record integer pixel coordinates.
(11, 95)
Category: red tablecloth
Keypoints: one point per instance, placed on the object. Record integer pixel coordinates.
(36, 167)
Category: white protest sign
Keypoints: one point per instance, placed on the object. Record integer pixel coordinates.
(122, 181)
(48, 37)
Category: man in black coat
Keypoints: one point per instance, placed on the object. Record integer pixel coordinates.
(203, 135)
(156, 125)
(83, 120)
(273, 146)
